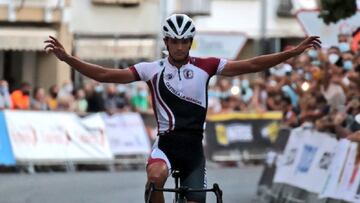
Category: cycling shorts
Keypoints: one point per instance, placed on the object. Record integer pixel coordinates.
(183, 151)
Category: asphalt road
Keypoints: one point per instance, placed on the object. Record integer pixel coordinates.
(238, 184)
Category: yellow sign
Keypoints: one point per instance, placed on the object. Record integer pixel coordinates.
(221, 136)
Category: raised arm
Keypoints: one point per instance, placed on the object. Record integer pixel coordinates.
(90, 70)
(264, 62)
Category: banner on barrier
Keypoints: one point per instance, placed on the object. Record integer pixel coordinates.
(315, 159)
(343, 180)
(286, 162)
(6, 155)
(126, 134)
(318, 163)
(306, 160)
(243, 131)
(54, 136)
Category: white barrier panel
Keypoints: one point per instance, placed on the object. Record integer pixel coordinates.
(311, 153)
(318, 163)
(343, 181)
(348, 186)
(315, 159)
(287, 162)
(54, 136)
(126, 134)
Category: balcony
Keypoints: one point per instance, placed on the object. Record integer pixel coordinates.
(32, 10)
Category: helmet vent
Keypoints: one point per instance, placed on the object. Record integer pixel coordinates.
(172, 26)
(179, 20)
(186, 27)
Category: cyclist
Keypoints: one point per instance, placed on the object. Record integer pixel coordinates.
(178, 84)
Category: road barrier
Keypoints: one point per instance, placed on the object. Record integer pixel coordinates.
(313, 167)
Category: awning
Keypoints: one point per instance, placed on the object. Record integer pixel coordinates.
(24, 38)
(109, 49)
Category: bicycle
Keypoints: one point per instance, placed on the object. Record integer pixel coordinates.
(180, 192)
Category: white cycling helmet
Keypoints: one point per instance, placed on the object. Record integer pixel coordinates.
(179, 26)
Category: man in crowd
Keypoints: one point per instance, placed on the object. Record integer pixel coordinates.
(21, 98)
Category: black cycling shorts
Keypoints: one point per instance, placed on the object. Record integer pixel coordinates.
(183, 151)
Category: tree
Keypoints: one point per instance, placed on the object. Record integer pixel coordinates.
(331, 11)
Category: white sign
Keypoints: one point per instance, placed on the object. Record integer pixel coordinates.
(332, 186)
(54, 136)
(286, 162)
(313, 25)
(239, 133)
(312, 170)
(126, 134)
(318, 163)
(221, 45)
(306, 160)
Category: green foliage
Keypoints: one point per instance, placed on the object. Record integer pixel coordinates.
(334, 10)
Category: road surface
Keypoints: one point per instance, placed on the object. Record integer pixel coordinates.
(238, 184)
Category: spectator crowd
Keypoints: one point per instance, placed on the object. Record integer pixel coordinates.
(321, 87)
(91, 97)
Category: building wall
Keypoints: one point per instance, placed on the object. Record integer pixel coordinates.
(35, 66)
(143, 19)
(245, 16)
(51, 70)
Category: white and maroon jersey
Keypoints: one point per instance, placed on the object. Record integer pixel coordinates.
(179, 95)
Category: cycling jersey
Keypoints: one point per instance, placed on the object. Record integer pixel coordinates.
(180, 103)
(179, 94)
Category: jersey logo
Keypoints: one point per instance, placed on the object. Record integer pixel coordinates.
(188, 74)
(169, 76)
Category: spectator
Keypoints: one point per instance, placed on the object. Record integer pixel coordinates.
(66, 89)
(289, 115)
(347, 60)
(288, 90)
(273, 100)
(355, 136)
(225, 87)
(113, 101)
(331, 87)
(227, 104)
(258, 101)
(20, 98)
(52, 102)
(38, 102)
(309, 110)
(333, 54)
(140, 101)
(5, 100)
(214, 105)
(355, 42)
(94, 96)
(246, 91)
(345, 122)
(80, 103)
(66, 103)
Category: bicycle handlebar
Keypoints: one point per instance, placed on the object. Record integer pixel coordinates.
(182, 190)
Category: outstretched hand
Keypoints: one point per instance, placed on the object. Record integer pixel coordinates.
(52, 45)
(309, 42)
